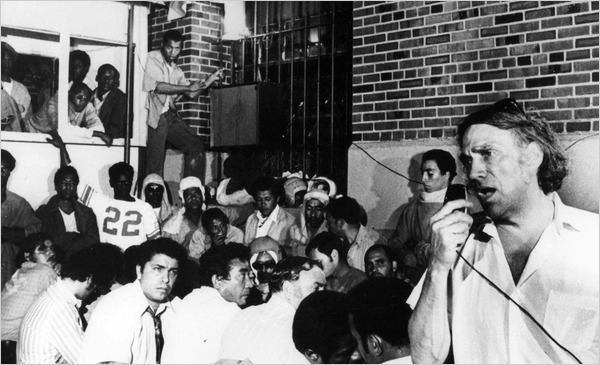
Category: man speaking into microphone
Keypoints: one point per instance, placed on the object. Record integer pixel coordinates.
(522, 284)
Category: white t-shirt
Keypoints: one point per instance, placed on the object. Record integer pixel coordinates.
(120, 222)
(69, 219)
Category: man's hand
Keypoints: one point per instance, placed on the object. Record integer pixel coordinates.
(56, 139)
(196, 86)
(449, 230)
(104, 137)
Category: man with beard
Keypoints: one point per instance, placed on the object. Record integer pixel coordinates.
(71, 224)
(312, 220)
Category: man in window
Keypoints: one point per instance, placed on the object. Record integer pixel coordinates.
(14, 88)
(165, 83)
(110, 102)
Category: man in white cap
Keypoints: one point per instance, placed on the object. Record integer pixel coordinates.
(182, 225)
(265, 254)
(312, 220)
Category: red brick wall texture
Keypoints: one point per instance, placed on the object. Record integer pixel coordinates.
(421, 66)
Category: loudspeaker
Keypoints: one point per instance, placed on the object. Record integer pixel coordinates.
(247, 115)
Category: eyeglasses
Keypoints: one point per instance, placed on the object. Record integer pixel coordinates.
(258, 266)
(507, 105)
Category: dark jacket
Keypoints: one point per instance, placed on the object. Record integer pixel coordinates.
(53, 224)
(113, 113)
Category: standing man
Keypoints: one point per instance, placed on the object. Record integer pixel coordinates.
(343, 220)
(110, 102)
(71, 225)
(263, 333)
(131, 324)
(522, 286)
(15, 89)
(410, 239)
(165, 83)
(332, 252)
(18, 220)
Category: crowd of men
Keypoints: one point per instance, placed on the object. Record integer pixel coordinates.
(90, 278)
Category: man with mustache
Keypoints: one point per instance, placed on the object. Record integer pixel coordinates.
(520, 285)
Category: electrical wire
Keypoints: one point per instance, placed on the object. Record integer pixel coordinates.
(581, 139)
(520, 307)
(386, 167)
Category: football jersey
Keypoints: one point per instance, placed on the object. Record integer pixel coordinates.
(121, 223)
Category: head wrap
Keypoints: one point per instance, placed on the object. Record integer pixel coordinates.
(191, 182)
(318, 194)
(331, 183)
(165, 207)
(291, 186)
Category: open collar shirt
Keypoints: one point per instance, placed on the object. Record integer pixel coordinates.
(121, 330)
(559, 287)
(51, 331)
(365, 238)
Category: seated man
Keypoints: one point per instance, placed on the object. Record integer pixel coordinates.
(379, 320)
(381, 262)
(183, 223)
(123, 220)
(312, 220)
(154, 192)
(71, 225)
(15, 89)
(215, 231)
(331, 251)
(131, 324)
(232, 190)
(225, 277)
(320, 329)
(266, 253)
(263, 333)
(110, 102)
(52, 330)
(18, 220)
(343, 219)
(410, 240)
(270, 219)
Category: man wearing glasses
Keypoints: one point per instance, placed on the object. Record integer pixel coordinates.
(521, 284)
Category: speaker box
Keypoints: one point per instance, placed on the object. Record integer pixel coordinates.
(247, 115)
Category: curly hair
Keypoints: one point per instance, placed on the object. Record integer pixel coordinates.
(527, 127)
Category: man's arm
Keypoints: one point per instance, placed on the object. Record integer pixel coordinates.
(57, 142)
(429, 327)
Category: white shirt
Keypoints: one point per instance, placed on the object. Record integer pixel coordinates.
(169, 97)
(263, 334)
(200, 322)
(559, 287)
(121, 330)
(69, 220)
(264, 224)
(97, 102)
(239, 197)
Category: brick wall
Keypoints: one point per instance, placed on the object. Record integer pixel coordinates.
(421, 66)
(201, 28)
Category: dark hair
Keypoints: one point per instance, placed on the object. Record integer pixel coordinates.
(289, 269)
(29, 245)
(326, 242)
(378, 306)
(120, 168)
(264, 183)
(172, 35)
(443, 159)
(391, 255)
(345, 208)
(219, 261)
(127, 273)
(100, 262)
(321, 323)
(107, 67)
(527, 128)
(211, 214)
(164, 246)
(8, 158)
(64, 171)
(80, 55)
(77, 87)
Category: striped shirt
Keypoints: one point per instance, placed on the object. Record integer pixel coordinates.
(51, 331)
